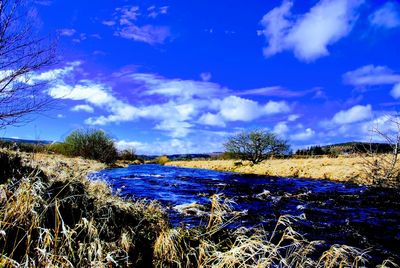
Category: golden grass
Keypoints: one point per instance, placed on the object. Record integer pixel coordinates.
(216, 246)
(342, 168)
(64, 220)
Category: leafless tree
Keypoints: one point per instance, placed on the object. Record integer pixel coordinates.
(384, 168)
(22, 55)
(255, 145)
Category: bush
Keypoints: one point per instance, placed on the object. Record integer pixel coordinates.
(161, 160)
(127, 155)
(92, 144)
(60, 148)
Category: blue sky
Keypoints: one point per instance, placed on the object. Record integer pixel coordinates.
(181, 76)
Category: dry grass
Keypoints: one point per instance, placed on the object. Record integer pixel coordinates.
(342, 168)
(216, 246)
(60, 219)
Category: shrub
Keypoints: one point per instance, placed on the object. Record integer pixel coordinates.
(127, 155)
(60, 148)
(162, 160)
(92, 144)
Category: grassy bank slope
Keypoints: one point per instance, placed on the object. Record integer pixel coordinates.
(52, 216)
(342, 168)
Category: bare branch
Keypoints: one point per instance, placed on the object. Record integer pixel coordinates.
(21, 55)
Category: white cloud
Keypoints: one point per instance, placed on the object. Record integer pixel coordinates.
(154, 12)
(308, 35)
(238, 109)
(186, 89)
(396, 91)
(212, 120)
(179, 106)
(388, 16)
(176, 129)
(354, 114)
(293, 117)
(148, 33)
(125, 24)
(94, 93)
(234, 108)
(109, 22)
(371, 75)
(82, 107)
(307, 134)
(276, 107)
(197, 142)
(67, 32)
(281, 129)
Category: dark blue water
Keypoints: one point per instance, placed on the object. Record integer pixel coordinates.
(340, 213)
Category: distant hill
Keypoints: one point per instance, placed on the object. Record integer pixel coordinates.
(346, 148)
(361, 147)
(25, 141)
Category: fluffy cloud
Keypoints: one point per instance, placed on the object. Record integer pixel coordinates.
(281, 129)
(82, 107)
(308, 35)
(234, 108)
(176, 128)
(94, 93)
(293, 117)
(193, 144)
(238, 109)
(276, 107)
(395, 92)
(186, 89)
(354, 114)
(371, 75)
(212, 120)
(307, 134)
(125, 24)
(176, 106)
(388, 16)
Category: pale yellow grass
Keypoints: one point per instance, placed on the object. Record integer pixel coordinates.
(62, 166)
(342, 168)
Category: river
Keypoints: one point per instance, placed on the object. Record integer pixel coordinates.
(338, 213)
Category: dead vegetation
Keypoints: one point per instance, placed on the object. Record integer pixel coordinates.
(384, 169)
(57, 218)
(63, 220)
(349, 168)
(216, 246)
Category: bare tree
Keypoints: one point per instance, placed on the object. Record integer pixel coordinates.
(22, 54)
(384, 168)
(255, 145)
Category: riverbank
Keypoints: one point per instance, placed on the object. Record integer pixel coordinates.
(51, 215)
(342, 168)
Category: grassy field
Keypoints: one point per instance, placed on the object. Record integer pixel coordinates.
(343, 168)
